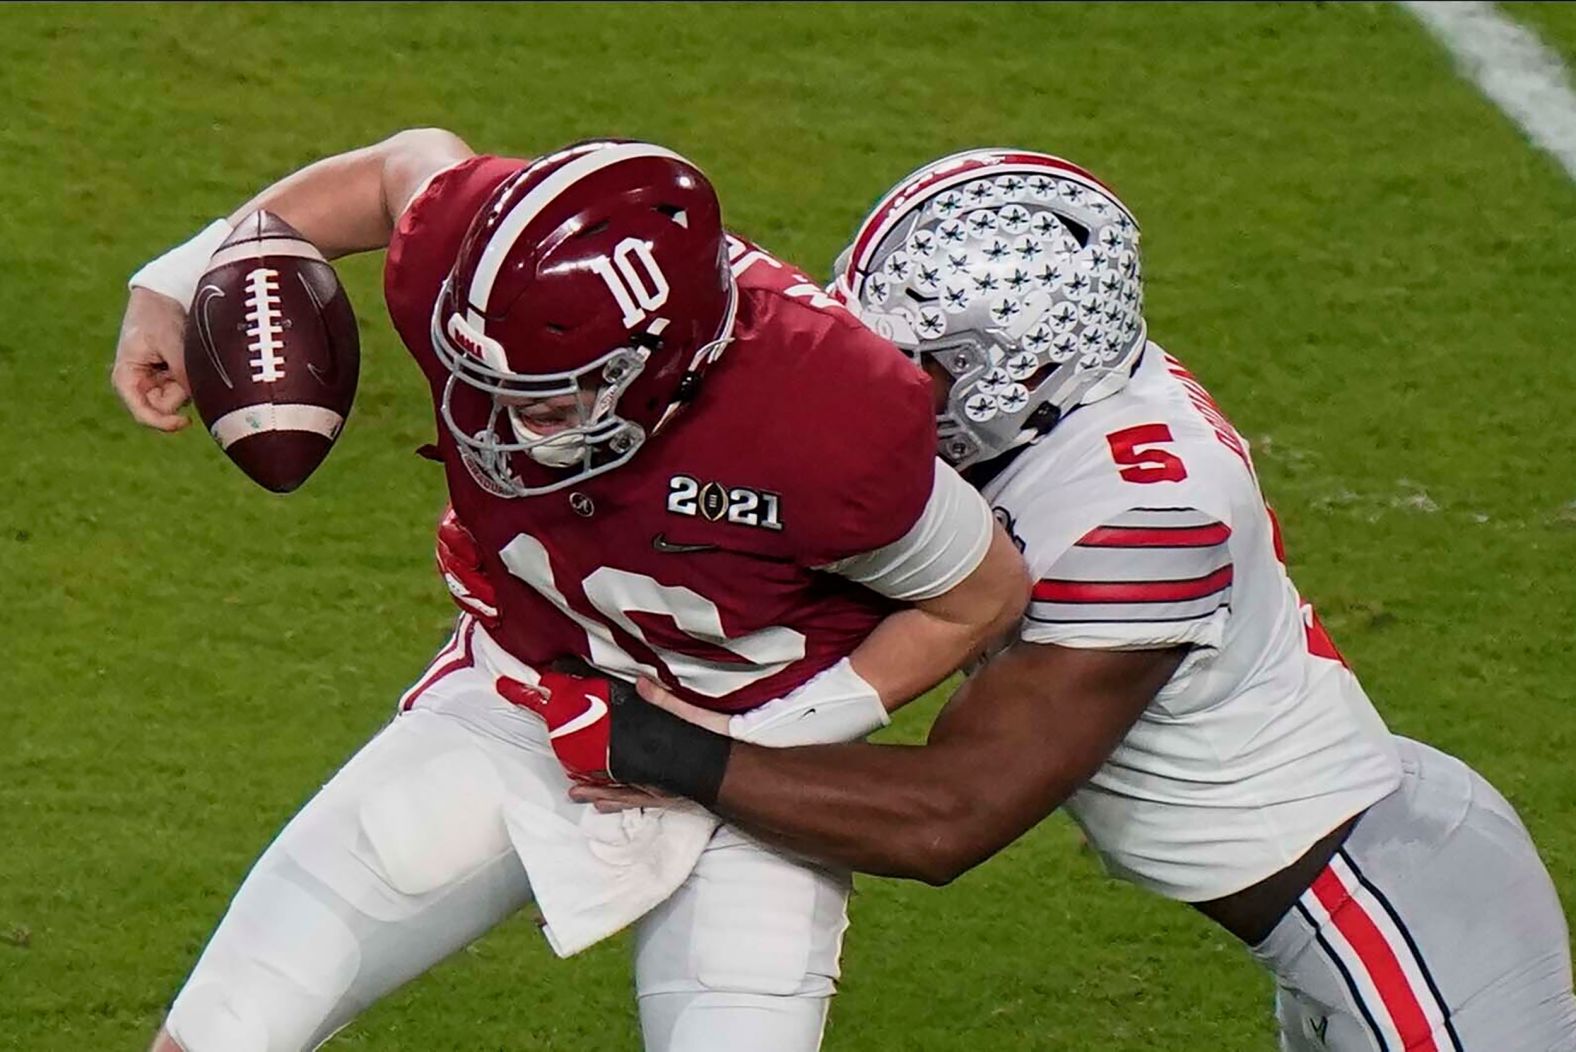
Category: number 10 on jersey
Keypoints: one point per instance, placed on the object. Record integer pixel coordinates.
(615, 594)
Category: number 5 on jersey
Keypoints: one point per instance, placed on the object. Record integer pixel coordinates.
(1136, 451)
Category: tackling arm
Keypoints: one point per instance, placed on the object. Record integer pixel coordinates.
(1010, 747)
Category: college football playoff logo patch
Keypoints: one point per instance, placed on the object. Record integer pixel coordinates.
(716, 502)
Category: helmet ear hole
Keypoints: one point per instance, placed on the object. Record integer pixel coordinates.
(675, 213)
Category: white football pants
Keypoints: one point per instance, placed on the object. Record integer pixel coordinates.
(403, 858)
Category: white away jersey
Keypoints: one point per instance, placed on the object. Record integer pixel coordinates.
(1142, 523)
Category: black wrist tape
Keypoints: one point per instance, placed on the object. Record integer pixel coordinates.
(652, 747)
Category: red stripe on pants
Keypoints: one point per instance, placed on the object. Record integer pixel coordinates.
(1378, 960)
(465, 660)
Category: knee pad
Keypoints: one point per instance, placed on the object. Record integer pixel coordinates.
(254, 990)
(723, 1021)
(401, 859)
(747, 921)
(417, 809)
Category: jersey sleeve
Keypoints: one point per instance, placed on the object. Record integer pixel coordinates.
(1143, 578)
(426, 240)
(869, 448)
(946, 543)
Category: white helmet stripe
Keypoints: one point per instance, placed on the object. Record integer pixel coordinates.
(531, 205)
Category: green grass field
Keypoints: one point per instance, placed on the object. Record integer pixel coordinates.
(1359, 254)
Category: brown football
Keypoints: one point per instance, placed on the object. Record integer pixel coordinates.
(272, 352)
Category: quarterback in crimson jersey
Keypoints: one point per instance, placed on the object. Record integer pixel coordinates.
(741, 502)
(630, 408)
(1167, 684)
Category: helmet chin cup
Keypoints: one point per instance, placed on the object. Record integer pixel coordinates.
(558, 451)
(489, 439)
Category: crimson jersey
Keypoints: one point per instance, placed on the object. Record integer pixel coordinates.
(811, 439)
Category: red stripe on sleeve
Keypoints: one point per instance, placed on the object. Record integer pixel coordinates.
(1156, 537)
(1378, 959)
(1057, 591)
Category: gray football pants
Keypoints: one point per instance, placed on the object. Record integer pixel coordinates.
(1435, 927)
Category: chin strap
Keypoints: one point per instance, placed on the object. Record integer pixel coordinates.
(689, 384)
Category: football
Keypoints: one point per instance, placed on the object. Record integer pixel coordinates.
(272, 352)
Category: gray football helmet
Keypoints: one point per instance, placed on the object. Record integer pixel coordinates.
(1017, 273)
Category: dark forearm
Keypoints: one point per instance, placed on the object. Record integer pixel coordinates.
(891, 810)
(1014, 743)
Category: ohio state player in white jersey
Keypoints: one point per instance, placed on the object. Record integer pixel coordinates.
(1144, 528)
(1167, 685)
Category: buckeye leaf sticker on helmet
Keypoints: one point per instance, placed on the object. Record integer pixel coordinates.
(272, 352)
(1017, 274)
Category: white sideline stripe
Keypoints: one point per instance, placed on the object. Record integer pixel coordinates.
(1509, 64)
(268, 416)
(271, 246)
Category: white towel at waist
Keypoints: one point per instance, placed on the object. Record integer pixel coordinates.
(594, 877)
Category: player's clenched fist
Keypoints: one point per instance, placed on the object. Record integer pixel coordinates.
(603, 732)
(460, 563)
(150, 361)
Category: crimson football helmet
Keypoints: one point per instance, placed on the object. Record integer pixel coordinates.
(592, 289)
(1017, 273)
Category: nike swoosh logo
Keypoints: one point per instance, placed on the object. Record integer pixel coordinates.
(327, 376)
(596, 708)
(205, 297)
(662, 544)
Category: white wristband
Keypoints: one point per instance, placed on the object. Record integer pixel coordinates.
(836, 706)
(176, 273)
